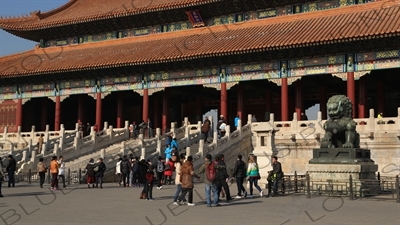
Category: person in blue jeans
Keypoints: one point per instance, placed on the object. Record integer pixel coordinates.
(210, 185)
(253, 173)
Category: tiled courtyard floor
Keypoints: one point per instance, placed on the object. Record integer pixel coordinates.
(29, 204)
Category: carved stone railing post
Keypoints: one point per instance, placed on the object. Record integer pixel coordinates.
(199, 126)
(173, 129)
(141, 142)
(30, 147)
(249, 119)
(24, 156)
(33, 158)
(55, 151)
(143, 154)
(215, 137)
(271, 119)
(187, 135)
(61, 133)
(12, 149)
(122, 151)
(76, 144)
(19, 134)
(319, 126)
(76, 127)
(187, 151)
(111, 133)
(33, 132)
(294, 126)
(371, 120)
(158, 136)
(46, 138)
(185, 121)
(239, 128)
(62, 138)
(93, 134)
(228, 132)
(105, 125)
(201, 148)
(126, 133)
(103, 153)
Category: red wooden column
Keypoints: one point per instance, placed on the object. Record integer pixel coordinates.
(284, 100)
(362, 99)
(269, 102)
(322, 102)
(299, 99)
(57, 116)
(351, 91)
(381, 98)
(224, 101)
(19, 113)
(156, 119)
(120, 110)
(44, 114)
(240, 107)
(165, 111)
(145, 112)
(81, 109)
(98, 110)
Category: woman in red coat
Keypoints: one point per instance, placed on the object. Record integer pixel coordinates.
(168, 170)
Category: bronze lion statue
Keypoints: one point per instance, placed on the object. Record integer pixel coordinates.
(340, 128)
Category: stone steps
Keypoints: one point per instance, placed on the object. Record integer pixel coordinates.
(111, 151)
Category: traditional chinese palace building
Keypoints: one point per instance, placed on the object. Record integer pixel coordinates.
(101, 60)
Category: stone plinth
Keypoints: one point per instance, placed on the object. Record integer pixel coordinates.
(340, 156)
(342, 171)
(340, 163)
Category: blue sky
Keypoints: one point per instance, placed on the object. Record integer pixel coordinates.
(9, 43)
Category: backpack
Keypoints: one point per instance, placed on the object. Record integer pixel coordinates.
(96, 168)
(167, 166)
(211, 172)
(160, 167)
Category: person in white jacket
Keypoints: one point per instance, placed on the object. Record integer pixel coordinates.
(61, 170)
(118, 171)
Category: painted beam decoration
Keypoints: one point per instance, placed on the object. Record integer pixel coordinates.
(37, 91)
(77, 87)
(378, 60)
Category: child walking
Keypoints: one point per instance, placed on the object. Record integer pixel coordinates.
(149, 183)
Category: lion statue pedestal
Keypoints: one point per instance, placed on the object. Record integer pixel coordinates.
(340, 154)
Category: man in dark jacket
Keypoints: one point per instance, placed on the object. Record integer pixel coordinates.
(125, 169)
(223, 177)
(240, 173)
(100, 173)
(205, 128)
(11, 168)
(274, 176)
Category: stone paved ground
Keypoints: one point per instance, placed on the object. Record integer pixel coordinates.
(29, 204)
